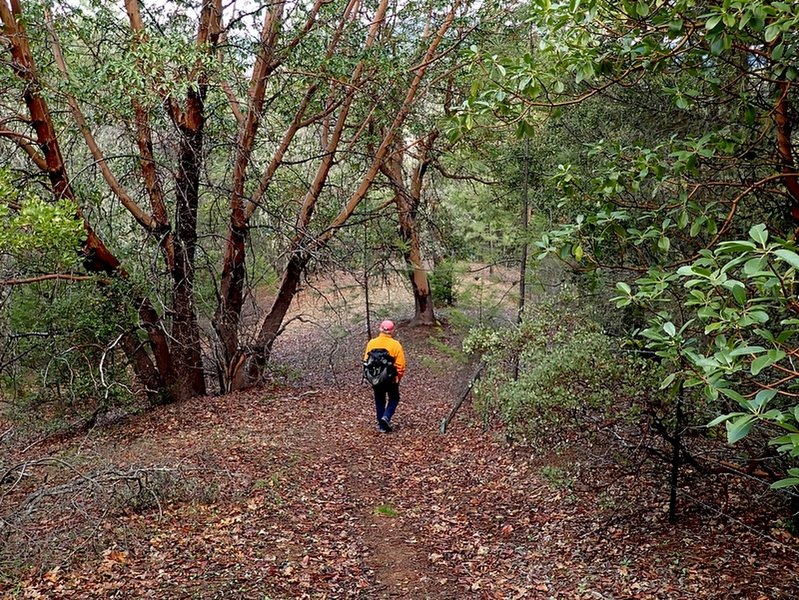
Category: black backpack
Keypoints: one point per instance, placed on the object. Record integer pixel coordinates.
(378, 368)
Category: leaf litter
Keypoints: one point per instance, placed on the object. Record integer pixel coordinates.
(297, 495)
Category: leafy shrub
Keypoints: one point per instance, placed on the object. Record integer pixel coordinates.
(566, 366)
(442, 283)
(62, 343)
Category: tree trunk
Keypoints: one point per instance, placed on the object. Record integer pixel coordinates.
(159, 345)
(412, 253)
(408, 207)
(366, 266)
(270, 328)
(187, 355)
(407, 201)
(422, 296)
(231, 300)
(187, 358)
(231, 293)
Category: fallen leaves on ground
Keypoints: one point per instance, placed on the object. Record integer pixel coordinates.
(303, 498)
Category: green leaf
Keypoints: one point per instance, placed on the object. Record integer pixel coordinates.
(720, 419)
(762, 398)
(761, 363)
(759, 234)
(755, 265)
(736, 246)
(696, 226)
(667, 381)
(739, 428)
(733, 395)
(747, 350)
(670, 329)
(773, 31)
(788, 256)
(739, 293)
(718, 44)
(758, 316)
(784, 483)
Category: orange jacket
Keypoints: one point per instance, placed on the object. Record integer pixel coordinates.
(394, 349)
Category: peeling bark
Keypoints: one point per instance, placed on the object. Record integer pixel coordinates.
(407, 200)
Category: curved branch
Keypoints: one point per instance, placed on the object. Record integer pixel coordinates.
(48, 277)
(144, 219)
(23, 142)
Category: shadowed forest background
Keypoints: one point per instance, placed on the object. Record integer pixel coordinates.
(582, 215)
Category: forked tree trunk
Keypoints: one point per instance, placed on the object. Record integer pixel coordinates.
(270, 328)
(407, 200)
(187, 356)
(227, 316)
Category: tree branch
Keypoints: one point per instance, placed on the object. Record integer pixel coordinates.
(144, 219)
(48, 277)
(24, 142)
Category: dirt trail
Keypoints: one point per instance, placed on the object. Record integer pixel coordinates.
(316, 503)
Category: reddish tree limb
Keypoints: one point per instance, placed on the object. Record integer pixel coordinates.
(785, 147)
(97, 257)
(24, 142)
(144, 219)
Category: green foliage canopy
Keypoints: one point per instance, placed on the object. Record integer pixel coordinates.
(683, 201)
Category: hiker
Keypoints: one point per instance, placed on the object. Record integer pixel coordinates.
(384, 366)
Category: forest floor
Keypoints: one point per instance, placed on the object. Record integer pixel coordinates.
(291, 492)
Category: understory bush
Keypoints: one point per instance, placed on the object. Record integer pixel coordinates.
(556, 366)
(63, 353)
(558, 378)
(442, 283)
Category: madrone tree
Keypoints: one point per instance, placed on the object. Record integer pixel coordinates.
(182, 107)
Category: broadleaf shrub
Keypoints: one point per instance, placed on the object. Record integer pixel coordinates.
(567, 366)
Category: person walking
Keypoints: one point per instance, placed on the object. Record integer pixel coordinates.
(387, 395)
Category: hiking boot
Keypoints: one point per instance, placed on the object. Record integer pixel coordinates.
(384, 425)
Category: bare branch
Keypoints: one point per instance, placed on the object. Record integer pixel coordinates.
(23, 142)
(48, 277)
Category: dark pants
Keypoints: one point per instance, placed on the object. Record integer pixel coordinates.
(386, 410)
